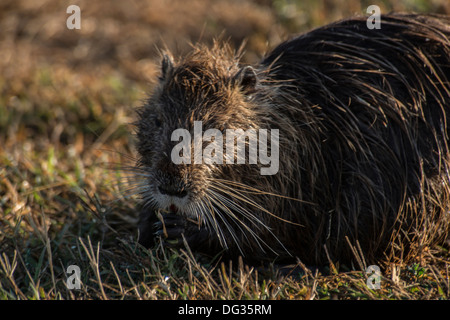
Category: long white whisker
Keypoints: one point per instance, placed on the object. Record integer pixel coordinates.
(229, 204)
(238, 222)
(251, 202)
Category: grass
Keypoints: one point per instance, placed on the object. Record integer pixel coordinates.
(66, 108)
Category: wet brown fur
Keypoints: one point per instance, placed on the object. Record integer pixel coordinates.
(363, 120)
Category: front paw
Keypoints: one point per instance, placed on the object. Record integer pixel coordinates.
(170, 228)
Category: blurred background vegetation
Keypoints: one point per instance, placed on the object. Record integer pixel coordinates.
(67, 99)
(58, 83)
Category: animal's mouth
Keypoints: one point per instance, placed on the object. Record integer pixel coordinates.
(173, 209)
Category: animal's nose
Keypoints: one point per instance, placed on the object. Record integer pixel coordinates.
(171, 190)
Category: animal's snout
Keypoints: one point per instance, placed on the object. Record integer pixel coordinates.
(172, 190)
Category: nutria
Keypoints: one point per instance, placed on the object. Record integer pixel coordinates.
(363, 145)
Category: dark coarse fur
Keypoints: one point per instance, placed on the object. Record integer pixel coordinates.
(363, 122)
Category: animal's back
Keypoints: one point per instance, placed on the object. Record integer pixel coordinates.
(380, 100)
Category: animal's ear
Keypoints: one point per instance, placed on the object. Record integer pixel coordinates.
(166, 66)
(247, 79)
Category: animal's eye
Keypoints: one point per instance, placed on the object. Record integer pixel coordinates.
(158, 122)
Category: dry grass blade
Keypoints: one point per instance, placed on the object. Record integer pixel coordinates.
(94, 259)
(8, 269)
